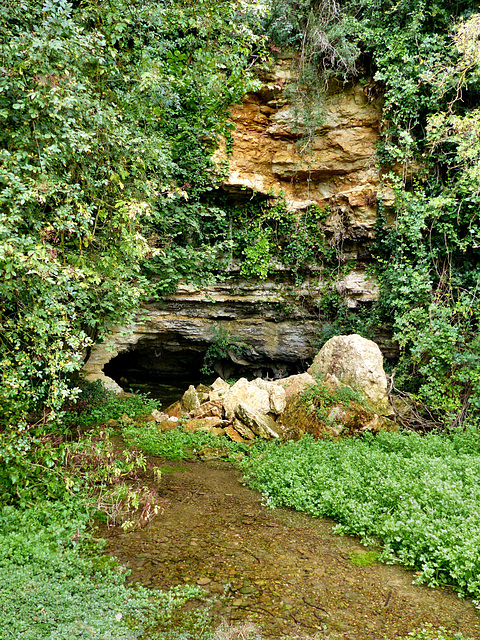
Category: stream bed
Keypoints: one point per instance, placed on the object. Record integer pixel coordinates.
(283, 570)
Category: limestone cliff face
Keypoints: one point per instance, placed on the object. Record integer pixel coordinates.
(280, 331)
(278, 334)
(338, 169)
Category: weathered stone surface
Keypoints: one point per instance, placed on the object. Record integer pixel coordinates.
(338, 167)
(203, 393)
(171, 337)
(262, 384)
(95, 372)
(261, 425)
(356, 362)
(190, 400)
(233, 434)
(375, 424)
(242, 429)
(212, 408)
(168, 425)
(277, 399)
(218, 431)
(219, 386)
(276, 395)
(248, 393)
(159, 416)
(295, 385)
(175, 410)
(337, 414)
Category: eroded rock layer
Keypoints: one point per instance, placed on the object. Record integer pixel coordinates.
(277, 335)
(337, 167)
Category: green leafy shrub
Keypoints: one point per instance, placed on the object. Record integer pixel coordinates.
(311, 411)
(257, 258)
(173, 445)
(35, 465)
(74, 198)
(111, 112)
(97, 409)
(223, 342)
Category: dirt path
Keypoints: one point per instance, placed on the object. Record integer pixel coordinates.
(283, 570)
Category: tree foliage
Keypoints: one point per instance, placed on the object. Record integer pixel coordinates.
(423, 57)
(107, 109)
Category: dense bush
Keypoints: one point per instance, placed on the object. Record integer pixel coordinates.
(110, 112)
(77, 456)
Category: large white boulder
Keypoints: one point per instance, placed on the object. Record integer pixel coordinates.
(357, 363)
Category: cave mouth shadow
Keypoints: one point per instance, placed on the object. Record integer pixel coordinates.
(169, 374)
(144, 369)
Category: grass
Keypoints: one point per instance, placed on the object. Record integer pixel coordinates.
(182, 445)
(172, 445)
(366, 559)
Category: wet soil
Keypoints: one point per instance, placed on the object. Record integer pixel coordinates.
(280, 569)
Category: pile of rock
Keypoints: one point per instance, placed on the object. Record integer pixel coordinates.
(242, 412)
(272, 409)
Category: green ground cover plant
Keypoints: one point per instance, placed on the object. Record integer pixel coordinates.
(95, 406)
(429, 633)
(417, 496)
(57, 585)
(182, 445)
(172, 445)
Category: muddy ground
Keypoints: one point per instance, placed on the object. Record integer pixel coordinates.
(280, 569)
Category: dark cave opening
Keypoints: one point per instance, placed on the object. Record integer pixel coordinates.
(149, 369)
(166, 374)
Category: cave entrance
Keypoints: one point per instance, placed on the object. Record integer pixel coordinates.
(163, 375)
(166, 373)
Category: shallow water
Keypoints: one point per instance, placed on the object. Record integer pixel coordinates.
(167, 391)
(280, 569)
